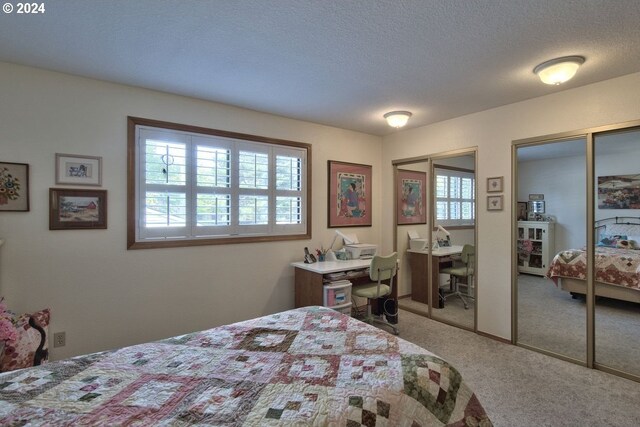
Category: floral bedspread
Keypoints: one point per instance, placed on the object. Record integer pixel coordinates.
(615, 266)
(308, 366)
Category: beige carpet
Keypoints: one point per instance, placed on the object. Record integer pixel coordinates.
(549, 318)
(519, 387)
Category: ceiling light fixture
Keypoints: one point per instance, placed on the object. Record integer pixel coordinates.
(397, 119)
(558, 70)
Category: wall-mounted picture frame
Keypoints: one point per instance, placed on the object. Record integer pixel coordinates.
(411, 197)
(494, 203)
(522, 211)
(535, 197)
(72, 169)
(619, 192)
(494, 184)
(14, 187)
(73, 209)
(349, 194)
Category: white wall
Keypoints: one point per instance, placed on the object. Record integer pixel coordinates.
(563, 182)
(102, 295)
(492, 131)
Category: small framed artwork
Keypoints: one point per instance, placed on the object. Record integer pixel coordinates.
(412, 197)
(349, 194)
(494, 203)
(494, 185)
(522, 211)
(536, 197)
(14, 187)
(78, 170)
(77, 209)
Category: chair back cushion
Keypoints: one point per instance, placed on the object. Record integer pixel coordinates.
(468, 255)
(383, 267)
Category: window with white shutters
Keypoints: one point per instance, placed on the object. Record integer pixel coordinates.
(214, 187)
(455, 197)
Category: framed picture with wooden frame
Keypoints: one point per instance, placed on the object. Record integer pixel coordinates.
(71, 209)
(411, 197)
(522, 211)
(494, 185)
(349, 194)
(494, 203)
(14, 187)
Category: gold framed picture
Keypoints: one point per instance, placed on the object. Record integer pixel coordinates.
(494, 185)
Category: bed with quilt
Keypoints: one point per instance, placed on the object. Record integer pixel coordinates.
(616, 259)
(308, 366)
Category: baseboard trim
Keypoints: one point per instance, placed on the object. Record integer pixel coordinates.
(494, 337)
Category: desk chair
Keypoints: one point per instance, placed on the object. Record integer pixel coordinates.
(463, 268)
(382, 268)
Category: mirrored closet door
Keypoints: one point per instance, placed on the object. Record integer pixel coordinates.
(617, 251)
(551, 219)
(435, 236)
(576, 241)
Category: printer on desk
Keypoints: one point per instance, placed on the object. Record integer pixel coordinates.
(356, 249)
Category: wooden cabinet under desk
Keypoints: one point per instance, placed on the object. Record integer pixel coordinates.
(310, 278)
(419, 262)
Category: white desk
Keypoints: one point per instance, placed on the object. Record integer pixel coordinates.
(325, 267)
(309, 279)
(420, 272)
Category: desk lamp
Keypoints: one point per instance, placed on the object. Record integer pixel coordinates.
(330, 255)
(436, 245)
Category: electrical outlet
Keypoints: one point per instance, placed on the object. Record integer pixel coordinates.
(59, 339)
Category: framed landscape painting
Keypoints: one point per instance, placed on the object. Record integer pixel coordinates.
(14, 187)
(412, 197)
(77, 209)
(619, 192)
(349, 194)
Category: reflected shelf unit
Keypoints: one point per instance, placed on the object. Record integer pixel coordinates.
(535, 246)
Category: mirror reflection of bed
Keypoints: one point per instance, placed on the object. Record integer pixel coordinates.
(552, 310)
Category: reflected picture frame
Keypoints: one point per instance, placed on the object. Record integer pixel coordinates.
(494, 203)
(76, 209)
(494, 184)
(411, 200)
(72, 169)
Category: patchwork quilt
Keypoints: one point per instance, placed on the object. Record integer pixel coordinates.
(615, 266)
(308, 366)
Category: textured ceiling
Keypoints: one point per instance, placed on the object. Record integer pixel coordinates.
(342, 63)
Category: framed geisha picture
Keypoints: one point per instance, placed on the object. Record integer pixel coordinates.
(349, 194)
(412, 197)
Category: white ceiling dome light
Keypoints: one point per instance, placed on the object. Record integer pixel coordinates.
(397, 119)
(559, 70)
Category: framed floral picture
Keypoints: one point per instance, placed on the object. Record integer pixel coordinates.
(412, 197)
(494, 185)
(77, 209)
(14, 187)
(78, 170)
(349, 194)
(494, 203)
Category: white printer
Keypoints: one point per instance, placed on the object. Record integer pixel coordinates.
(416, 243)
(356, 249)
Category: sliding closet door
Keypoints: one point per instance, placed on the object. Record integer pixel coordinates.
(617, 255)
(453, 271)
(551, 220)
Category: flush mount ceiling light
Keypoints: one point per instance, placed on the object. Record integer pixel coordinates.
(397, 119)
(558, 70)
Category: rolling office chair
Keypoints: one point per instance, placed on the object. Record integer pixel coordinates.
(382, 268)
(464, 268)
